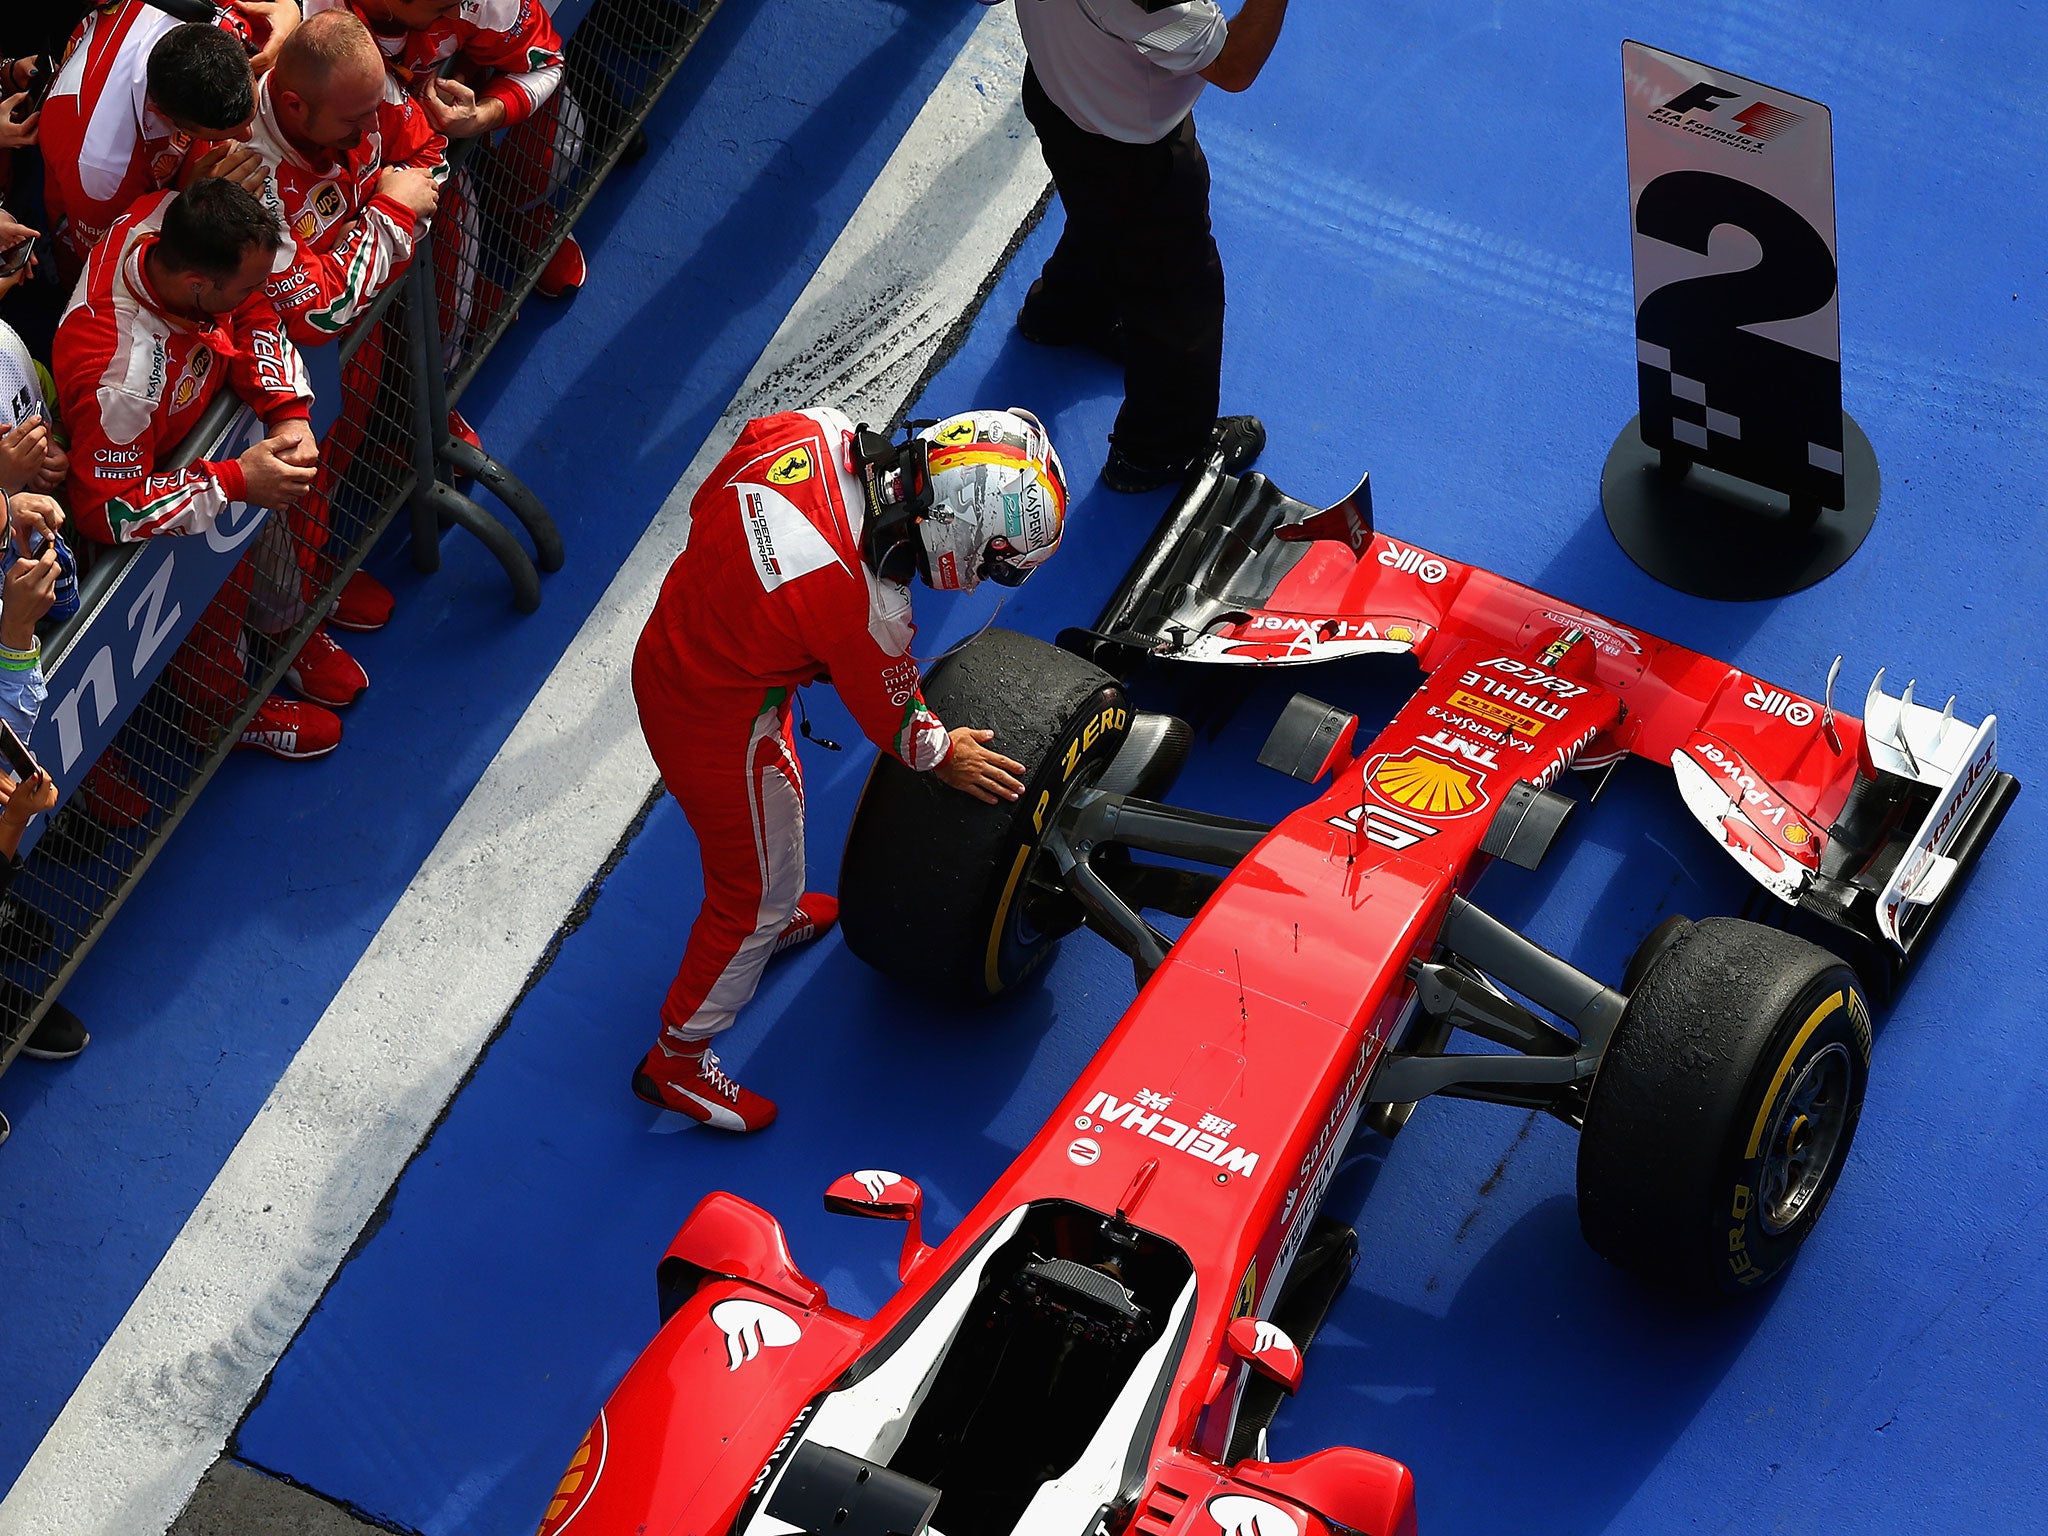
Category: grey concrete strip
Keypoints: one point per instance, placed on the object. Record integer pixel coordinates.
(158, 1404)
(237, 1500)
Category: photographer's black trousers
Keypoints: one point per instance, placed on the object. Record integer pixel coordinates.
(1137, 249)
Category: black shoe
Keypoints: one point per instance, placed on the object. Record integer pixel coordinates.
(25, 934)
(58, 1038)
(636, 147)
(1242, 439)
(1032, 325)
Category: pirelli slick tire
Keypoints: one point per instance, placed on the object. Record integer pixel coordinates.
(1651, 950)
(937, 888)
(1724, 1107)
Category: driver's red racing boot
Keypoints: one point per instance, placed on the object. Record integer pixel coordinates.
(690, 1083)
(813, 919)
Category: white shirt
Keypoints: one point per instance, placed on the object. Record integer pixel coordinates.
(21, 387)
(1117, 69)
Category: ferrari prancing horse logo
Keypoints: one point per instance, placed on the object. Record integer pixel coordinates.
(793, 468)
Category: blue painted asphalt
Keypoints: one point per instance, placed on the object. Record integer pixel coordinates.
(227, 954)
(1422, 212)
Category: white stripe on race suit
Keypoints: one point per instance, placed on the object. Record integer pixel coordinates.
(777, 812)
(159, 1402)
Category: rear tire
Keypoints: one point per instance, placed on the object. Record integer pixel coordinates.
(936, 888)
(1724, 1107)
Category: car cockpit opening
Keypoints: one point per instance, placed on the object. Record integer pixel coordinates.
(1030, 1387)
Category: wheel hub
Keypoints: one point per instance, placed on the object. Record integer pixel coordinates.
(1805, 1138)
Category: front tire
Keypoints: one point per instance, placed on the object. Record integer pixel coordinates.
(937, 888)
(1724, 1107)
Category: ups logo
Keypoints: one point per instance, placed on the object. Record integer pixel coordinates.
(327, 200)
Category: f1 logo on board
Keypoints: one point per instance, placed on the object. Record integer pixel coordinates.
(1760, 120)
(1771, 702)
(1422, 567)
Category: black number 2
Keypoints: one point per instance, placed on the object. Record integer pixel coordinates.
(1755, 407)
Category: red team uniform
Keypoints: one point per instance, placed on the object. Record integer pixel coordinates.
(103, 145)
(769, 593)
(776, 587)
(131, 384)
(513, 38)
(347, 243)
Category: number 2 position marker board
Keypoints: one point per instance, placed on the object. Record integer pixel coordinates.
(1738, 329)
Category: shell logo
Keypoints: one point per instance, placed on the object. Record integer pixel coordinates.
(1796, 834)
(1400, 632)
(578, 1483)
(306, 225)
(1425, 784)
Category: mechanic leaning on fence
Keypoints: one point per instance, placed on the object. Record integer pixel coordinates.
(141, 104)
(352, 170)
(170, 309)
(507, 73)
(796, 568)
(1111, 87)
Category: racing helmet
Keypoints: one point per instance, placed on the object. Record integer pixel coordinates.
(998, 499)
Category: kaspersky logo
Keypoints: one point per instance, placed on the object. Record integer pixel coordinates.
(1757, 123)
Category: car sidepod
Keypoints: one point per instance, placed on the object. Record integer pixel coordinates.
(697, 1420)
(1338, 1492)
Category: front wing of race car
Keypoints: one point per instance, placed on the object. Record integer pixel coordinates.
(1867, 823)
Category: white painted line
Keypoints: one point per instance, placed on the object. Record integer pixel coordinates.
(159, 1402)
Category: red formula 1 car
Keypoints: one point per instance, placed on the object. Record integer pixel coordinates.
(1097, 1348)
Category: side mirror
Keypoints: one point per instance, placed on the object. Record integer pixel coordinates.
(1266, 1349)
(881, 1195)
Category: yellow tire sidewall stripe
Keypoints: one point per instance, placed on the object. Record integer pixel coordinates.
(1814, 1021)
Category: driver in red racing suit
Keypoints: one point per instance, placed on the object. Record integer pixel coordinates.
(795, 568)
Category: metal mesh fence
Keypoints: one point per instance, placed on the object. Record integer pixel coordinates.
(513, 200)
(187, 722)
(510, 200)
